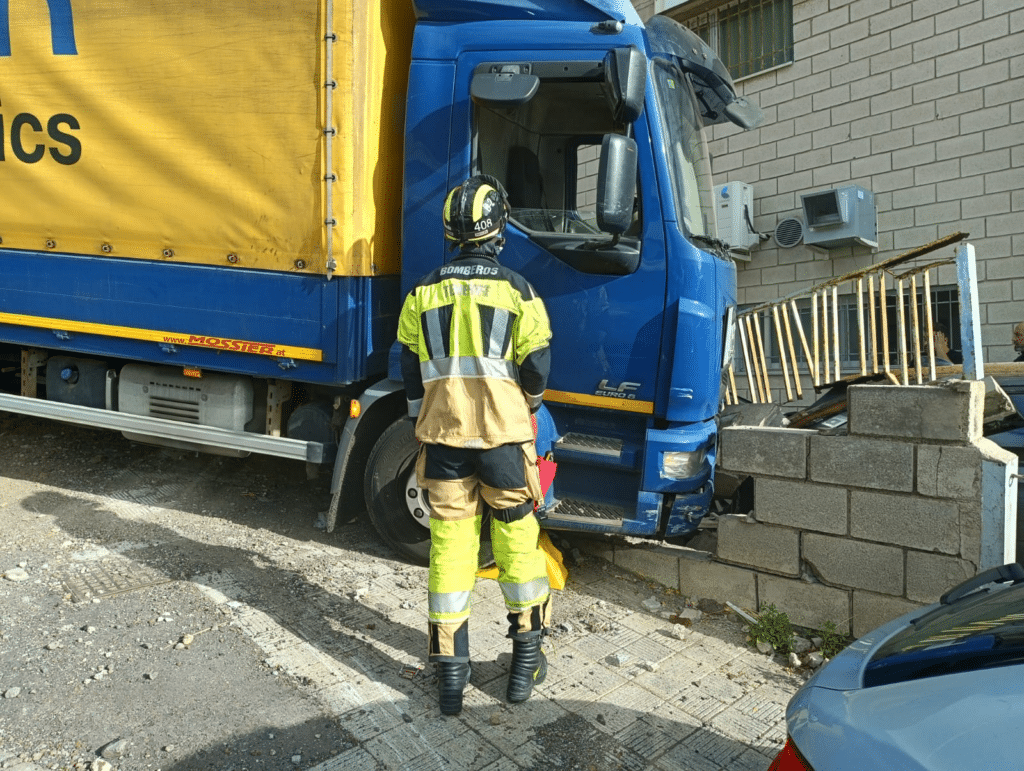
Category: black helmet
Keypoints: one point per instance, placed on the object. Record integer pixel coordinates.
(476, 210)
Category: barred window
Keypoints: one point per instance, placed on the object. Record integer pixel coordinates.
(750, 36)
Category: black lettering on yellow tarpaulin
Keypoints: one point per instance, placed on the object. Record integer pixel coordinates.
(26, 131)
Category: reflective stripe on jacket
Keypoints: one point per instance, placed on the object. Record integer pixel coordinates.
(475, 360)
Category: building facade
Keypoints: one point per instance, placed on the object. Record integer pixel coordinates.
(918, 103)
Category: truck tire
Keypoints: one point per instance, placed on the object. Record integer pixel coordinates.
(396, 504)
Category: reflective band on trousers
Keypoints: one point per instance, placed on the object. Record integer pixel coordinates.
(467, 366)
(447, 603)
(524, 595)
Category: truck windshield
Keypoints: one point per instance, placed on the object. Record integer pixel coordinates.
(689, 162)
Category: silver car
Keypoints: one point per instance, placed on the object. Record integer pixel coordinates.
(939, 689)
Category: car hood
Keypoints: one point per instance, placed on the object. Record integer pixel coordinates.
(963, 721)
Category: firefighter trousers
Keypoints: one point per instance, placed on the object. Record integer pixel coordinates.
(459, 483)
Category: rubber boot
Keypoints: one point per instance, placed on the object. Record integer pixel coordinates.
(449, 650)
(452, 677)
(529, 667)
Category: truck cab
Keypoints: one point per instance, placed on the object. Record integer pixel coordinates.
(594, 124)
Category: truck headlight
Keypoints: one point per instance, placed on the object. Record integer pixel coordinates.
(681, 465)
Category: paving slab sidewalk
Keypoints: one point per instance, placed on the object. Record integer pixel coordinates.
(628, 688)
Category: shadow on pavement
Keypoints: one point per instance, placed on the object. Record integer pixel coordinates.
(538, 735)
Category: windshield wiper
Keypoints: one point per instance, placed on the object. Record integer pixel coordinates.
(1011, 572)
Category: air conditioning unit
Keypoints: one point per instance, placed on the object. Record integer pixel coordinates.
(735, 204)
(840, 217)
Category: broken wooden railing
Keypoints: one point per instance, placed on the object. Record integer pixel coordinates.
(813, 346)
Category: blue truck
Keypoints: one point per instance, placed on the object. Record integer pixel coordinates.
(211, 215)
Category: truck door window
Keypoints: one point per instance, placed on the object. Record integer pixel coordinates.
(689, 162)
(546, 153)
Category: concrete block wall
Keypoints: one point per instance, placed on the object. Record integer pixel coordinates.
(919, 102)
(853, 529)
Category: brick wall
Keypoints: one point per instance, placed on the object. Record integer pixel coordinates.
(860, 528)
(921, 103)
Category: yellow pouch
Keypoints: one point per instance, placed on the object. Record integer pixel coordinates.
(557, 571)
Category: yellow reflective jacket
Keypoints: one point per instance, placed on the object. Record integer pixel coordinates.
(475, 356)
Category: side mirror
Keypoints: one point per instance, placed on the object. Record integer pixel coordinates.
(508, 87)
(616, 184)
(625, 73)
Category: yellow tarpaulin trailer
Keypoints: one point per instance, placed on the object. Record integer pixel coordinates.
(197, 132)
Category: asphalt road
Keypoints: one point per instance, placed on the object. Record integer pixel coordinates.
(167, 610)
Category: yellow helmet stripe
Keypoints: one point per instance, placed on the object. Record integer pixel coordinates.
(449, 203)
(478, 201)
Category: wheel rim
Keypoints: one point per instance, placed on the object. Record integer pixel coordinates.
(416, 501)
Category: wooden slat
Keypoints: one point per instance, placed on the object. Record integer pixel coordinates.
(826, 358)
(883, 297)
(782, 353)
(792, 353)
(764, 361)
(903, 331)
(871, 319)
(916, 328)
(814, 325)
(836, 349)
(803, 342)
(743, 325)
(860, 327)
(756, 359)
(928, 321)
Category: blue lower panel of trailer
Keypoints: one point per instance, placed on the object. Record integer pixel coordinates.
(270, 324)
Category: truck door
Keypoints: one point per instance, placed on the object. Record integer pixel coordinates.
(605, 300)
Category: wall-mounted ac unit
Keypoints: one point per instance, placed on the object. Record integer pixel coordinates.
(735, 204)
(840, 217)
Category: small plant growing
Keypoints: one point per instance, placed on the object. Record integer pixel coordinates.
(772, 626)
(832, 642)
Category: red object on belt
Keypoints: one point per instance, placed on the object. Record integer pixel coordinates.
(545, 467)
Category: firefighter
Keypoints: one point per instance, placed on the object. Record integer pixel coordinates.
(475, 362)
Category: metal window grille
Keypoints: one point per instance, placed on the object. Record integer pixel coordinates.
(750, 36)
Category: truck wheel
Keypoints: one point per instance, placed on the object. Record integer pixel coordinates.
(396, 504)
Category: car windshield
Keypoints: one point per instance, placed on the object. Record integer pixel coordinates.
(687, 151)
(978, 631)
